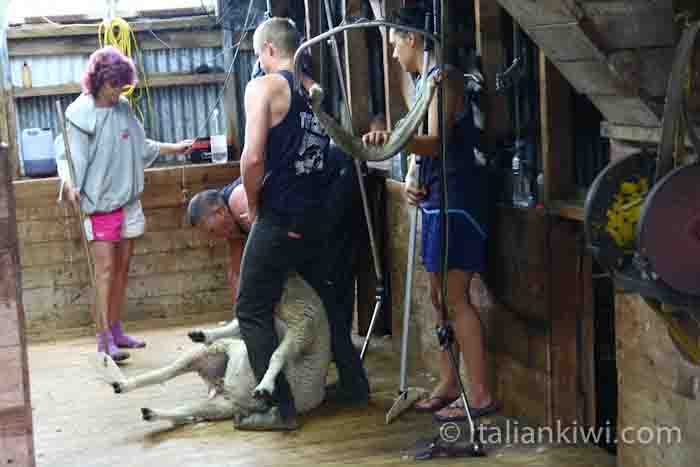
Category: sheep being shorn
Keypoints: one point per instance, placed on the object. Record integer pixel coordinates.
(304, 354)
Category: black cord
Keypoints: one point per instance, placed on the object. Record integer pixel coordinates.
(230, 68)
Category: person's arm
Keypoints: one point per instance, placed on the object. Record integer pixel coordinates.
(79, 144)
(453, 95)
(234, 269)
(156, 148)
(429, 145)
(257, 112)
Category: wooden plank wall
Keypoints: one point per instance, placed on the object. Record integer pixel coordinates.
(520, 328)
(177, 275)
(16, 444)
(657, 389)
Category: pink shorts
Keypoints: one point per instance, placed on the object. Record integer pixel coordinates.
(107, 226)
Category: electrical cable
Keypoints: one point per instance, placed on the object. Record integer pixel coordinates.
(230, 68)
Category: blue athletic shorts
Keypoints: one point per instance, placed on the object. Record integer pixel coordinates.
(466, 243)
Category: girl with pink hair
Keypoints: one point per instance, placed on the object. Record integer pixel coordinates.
(110, 152)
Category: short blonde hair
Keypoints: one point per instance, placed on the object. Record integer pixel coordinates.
(282, 33)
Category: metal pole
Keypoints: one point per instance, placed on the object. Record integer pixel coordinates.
(100, 317)
(445, 332)
(360, 179)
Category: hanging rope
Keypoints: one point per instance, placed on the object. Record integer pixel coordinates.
(118, 33)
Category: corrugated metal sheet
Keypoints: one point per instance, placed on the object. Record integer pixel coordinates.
(63, 69)
(179, 112)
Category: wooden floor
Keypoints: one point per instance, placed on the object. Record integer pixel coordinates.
(79, 422)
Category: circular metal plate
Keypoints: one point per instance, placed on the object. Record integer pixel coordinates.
(668, 233)
(600, 198)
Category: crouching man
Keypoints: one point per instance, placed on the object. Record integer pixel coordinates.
(223, 214)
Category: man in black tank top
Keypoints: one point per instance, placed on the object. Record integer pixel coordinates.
(283, 166)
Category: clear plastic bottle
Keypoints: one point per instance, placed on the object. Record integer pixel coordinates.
(26, 76)
(522, 188)
(517, 182)
(219, 154)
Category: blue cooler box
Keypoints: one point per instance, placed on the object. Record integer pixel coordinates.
(38, 154)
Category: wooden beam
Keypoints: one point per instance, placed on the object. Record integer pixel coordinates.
(398, 87)
(313, 14)
(490, 38)
(556, 126)
(357, 71)
(231, 104)
(146, 40)
(567, 209)
(640, 134)
(155, 80)
(36, 31)
(8, 133)
(16, 443)
(587, 356)
(565, 303)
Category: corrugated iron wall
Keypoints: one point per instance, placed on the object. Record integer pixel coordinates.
(62, 69)
(179, 112)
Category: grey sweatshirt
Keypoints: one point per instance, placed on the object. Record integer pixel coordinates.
(110, 150)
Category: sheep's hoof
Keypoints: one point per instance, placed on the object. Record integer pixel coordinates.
(263, 394)
(118, 388)
(147, 414)
(197, 336)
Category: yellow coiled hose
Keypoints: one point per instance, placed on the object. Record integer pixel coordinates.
(118, 33)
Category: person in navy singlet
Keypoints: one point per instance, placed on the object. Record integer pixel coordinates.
(283, 167)
(466, 253)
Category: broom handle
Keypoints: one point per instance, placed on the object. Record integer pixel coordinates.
(71, 168)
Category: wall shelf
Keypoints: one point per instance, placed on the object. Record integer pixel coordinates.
(155, 80)
(568, 209)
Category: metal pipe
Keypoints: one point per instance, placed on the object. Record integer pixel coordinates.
(410, 264)
(358, 25)
(360, 179)
(358, 166)
(377, 306)
(443, 145)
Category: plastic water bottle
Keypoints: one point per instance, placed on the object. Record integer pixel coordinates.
(522, 188)
(517, 183)
(219, 150)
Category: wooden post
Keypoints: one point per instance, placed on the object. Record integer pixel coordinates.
(556, 126)
(16, 444)
(7, 108)
(398, 87)
(313, 14)
(230, 103)
(489, 41)
(357, 70)
(566, 303)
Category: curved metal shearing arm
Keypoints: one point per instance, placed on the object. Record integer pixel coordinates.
(405, 128)
(353, 145)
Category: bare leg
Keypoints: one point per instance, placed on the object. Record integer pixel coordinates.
(217, 408)
(447, 388)
(103, 254)
(191, 361)
(123, 251)
(470, 336)
(231, 329)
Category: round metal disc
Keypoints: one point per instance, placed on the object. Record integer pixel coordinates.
(601, 196)
(668, 233)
